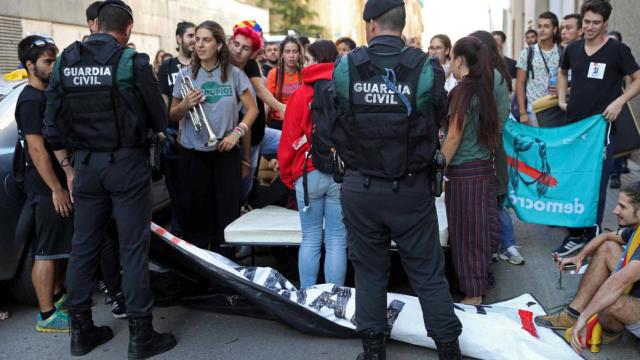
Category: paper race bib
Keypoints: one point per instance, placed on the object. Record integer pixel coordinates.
(596, 70)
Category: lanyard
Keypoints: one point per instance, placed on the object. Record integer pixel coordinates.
(544, 60)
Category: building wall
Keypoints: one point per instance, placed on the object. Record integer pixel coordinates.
(415, 27)
(154, 25)
(344, 18)
(624, 19)
(340, 18)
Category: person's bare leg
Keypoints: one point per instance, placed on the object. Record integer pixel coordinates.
(603, 262)
(625, 311)
(43, 277)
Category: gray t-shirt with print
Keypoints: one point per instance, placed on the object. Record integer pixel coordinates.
(222, 105)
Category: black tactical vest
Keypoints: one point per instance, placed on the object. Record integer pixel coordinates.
(102, 110)
(388, 135)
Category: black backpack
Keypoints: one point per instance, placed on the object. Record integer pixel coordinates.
(324, 111)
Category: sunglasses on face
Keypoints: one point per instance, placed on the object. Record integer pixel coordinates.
(42, 42)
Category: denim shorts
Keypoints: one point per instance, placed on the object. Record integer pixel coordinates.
(635, 328)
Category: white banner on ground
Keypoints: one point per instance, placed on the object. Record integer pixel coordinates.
(503, 330)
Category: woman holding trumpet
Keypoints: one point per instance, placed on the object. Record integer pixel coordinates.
(206, 97)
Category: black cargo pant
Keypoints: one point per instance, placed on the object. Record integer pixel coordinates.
(211, 194)
(114, 184)
(375, 214)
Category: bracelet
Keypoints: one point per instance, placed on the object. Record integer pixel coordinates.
(239, 131)
(245, 162)
(524, 113)
(244, 127)
(236, 134)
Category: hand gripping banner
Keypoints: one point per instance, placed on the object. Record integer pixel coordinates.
(554, 173)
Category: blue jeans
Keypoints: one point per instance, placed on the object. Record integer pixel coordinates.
(324, 206)
(268, 146)
(507, 234)
(617, 166)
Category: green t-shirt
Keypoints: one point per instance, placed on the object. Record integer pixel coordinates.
(501, 92)
(470, 148)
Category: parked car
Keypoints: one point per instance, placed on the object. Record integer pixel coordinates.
(17, 227)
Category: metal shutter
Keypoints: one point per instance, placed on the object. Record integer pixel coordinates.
(10, 36)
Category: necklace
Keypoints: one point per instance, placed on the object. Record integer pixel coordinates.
(210, 70)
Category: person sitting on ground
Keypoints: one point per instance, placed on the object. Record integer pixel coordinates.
(602, 288)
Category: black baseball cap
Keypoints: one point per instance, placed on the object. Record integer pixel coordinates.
(119, 4)
(374, 8)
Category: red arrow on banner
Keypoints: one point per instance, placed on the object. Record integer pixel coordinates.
(532, 172)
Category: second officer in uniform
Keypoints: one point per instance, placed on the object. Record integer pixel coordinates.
(101, 102)
(390, 98)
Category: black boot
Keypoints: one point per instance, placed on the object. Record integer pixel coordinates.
(144, 342)
(85, 336)
(449, 351)
(373, 345)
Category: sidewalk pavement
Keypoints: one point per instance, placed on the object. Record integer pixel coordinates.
(205, 335)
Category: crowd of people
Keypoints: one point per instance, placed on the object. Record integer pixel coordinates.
(353, 134)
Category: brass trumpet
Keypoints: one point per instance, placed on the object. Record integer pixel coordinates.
(197, 115)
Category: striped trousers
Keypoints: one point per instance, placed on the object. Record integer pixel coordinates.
(472, 213)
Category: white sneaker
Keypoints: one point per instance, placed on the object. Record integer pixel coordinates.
(512, 255)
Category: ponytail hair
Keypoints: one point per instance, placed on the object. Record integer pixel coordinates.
(223, 54)
(478, 83)
(497, 60)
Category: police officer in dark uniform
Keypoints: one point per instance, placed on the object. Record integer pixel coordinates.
(390, 98)
(101, 102)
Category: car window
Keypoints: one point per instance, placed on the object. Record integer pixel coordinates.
(8, 132)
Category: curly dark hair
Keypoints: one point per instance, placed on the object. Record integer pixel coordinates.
(633, 191)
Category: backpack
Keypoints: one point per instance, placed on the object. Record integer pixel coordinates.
(324, 111)
(515, 108)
